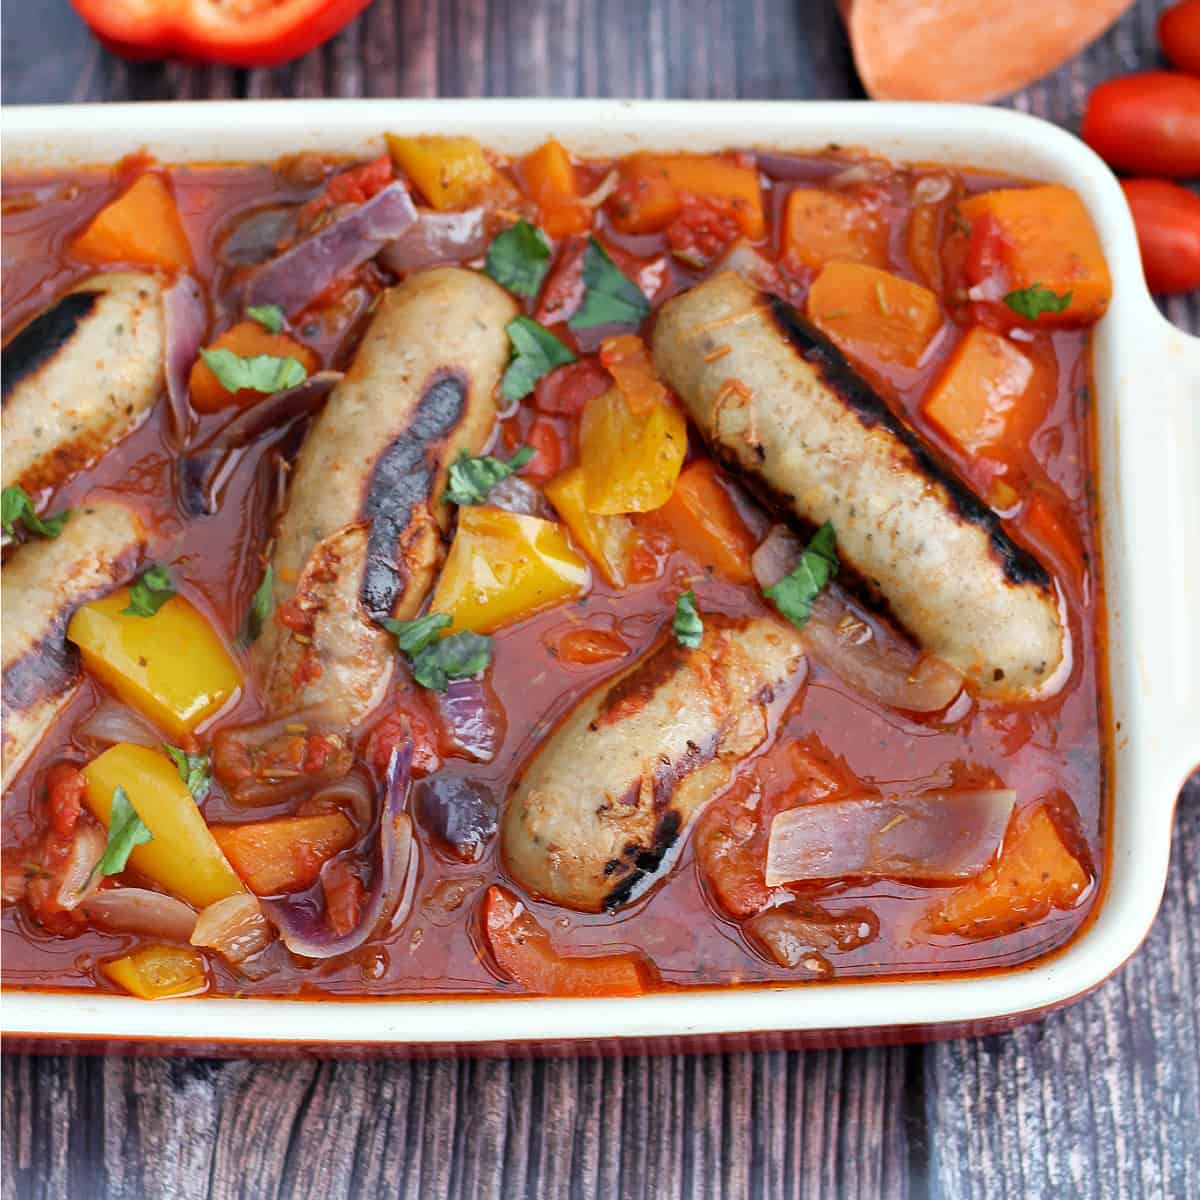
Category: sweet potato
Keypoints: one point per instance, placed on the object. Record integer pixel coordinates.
(140, 226)
(967, 49)
(284, 854)
(822, 226)
(652, 185)
(550, 177)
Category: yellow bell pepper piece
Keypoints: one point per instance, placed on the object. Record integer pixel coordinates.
(606, 540)
(172, 667)
(504, 567)
(183, 857)
(630, 460)
(158, 972)
(451, 172)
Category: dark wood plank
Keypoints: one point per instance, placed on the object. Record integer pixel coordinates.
(1102, 1100)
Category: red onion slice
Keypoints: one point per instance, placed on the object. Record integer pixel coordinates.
(141, 911)
(185, 320)
(794, 934)
(301, 921)
(80, 878)
(234, 927)
(472, 717)
(436, 238)
(111, 722)
(302, 273)
(517, 496)
(929, 838)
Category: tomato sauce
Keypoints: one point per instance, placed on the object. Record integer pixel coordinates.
(678, 925)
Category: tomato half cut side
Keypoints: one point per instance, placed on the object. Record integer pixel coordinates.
(212, 31)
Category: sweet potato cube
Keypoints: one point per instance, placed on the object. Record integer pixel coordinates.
(140, 226)
(822, 226)
(1049, 241)
(284, 854)
(652, 187)
(863, 309)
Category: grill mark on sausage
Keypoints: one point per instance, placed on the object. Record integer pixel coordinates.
(1019, 566)
(44, 337)
(645, 860)
(401, 479)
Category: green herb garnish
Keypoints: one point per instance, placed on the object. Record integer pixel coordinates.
(687, 626)
(471, 477)
(261, 604)
(794, 594)
(149, 593)
(436, 660)
(609, 298)
(264, 373)
(536, 352)
(15, 505)
(269, 316)
(519, 258)
(1034, 300)
(125, 830)
(194, 769)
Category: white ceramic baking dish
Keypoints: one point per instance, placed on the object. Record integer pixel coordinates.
(1147, 382)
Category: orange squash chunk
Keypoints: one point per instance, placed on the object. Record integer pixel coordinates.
(140, 226)
(864, 309)
(821, 227)
(550, 177)
(1037, 870)
(1051, 242)
(248, 339)
(285, 854)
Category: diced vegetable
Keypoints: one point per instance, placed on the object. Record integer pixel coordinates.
(158, 972)
(234, 927)
(989, 397)
(701, 519)
(451, 172)
(607, 540)
(795, 934)
(172, 667)
(1040, 868)
(550, 179)
(182, 857)
(504, 567)
(630, 462)
(821, 226)
(653, 185)
(1047, 240)
(286, 854)
(140, 226)
(524, 953)
(867, 310)
(928, 837)
(247, 339)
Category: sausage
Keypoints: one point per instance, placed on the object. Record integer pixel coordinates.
(603, 800)
(79, 377)
(361, 533)
(43, 583)
(779, 403)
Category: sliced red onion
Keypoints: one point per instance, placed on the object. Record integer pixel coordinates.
(205, 471)
(472, 717)
(301, 921)
(257, 237)
(302, 273)
(111, 722)
(516, 495)
(141, 911)
(80, 877)
(756, 270)
(795, 933)
(436, 238)
(929, 838)
(800, 168)
(460, 813)
(776, 556)
(234, 927)
(603, 190)
(184, 320)
(354, 791)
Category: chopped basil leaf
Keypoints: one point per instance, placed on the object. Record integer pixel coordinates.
(794, 594)
(536, 352)
(150, 593)
(194, 769)
(472, 478)
(264, 373)
(270, 316)
(1034, 300)
(609, 298)
(519, 258)
(261, 604)
(688, 627)
(125, 830)
(458, 656)
(413, 636)
(15, 505)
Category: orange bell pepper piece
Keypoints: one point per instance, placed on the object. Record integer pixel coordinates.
(523, 950)
(284, 854)
(821, 226)
(158, 972)
(140, 226)
(607, 540)
(248, 339)
(550, 179)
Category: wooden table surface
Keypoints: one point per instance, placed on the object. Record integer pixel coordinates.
(1100, 1100)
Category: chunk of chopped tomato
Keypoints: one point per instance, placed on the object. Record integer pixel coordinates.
(565, 390)
(409, 719)
(585, 646)
(703, 228)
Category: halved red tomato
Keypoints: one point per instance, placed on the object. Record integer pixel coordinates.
(241, 35)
